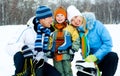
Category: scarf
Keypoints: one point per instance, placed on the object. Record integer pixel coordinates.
(84, 42)
(60, 26)
(42, 38)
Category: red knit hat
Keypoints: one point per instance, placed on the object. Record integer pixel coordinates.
(60, 10)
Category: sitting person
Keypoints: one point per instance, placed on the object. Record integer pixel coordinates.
(96, 42)
(33, 41)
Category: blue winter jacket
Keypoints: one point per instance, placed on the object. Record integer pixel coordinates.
(99, 38)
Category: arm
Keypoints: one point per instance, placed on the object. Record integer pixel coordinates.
(106, 40)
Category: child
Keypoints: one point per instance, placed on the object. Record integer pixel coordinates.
(64, 42)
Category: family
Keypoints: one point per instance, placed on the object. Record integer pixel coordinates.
(58, 36)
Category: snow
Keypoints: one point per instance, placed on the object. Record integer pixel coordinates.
(7, 34)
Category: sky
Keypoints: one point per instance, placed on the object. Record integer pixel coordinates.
(10, 32)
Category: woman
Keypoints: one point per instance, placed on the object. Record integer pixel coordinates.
(96, 42)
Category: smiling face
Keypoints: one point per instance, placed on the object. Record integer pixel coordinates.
(46, 22)
(60, 18)
(77, 21)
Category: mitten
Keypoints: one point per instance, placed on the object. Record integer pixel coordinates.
(27, 52)
(91, 58)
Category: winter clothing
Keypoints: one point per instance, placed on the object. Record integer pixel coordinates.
(18, 58)
(42, 44)
(60, 10)
(68, 31)
(100, 43)
(43, 12)
(28, 37)
(91, 58)
(72, 12)
(64, 67)
(98, 32)
(109, 64)
(84, 43)
(27, 52)
(64, 41)
(36, 38)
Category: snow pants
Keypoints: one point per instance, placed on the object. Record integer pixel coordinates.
(109, 64)
(64, 67)
(45, 70)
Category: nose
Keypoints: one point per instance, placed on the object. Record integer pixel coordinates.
(50, 19)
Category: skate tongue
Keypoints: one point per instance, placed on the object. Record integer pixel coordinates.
(85, 64)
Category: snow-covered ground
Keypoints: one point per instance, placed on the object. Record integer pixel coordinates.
(7, 33)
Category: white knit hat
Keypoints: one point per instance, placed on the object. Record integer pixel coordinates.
(72, 11)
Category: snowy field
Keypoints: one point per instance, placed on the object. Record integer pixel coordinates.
(7, 34)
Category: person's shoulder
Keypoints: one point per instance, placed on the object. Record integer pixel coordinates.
(99, 23)
(31, 21)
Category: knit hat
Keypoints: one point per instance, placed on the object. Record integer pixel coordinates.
(72, 11)
(43, 12)
(60, 10)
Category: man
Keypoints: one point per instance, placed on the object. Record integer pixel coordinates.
(34, 43)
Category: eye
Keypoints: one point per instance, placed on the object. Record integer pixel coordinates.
(75, 16)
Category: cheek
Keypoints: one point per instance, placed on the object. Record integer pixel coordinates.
(73, 23)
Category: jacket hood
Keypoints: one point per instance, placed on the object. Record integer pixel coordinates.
(30, 22)
(90, 19)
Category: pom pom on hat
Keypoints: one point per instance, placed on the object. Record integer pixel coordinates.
(60, 10)
(72, 11)
(43, 12)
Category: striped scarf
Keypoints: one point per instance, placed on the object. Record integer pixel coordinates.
(84, 41)
(41, 43)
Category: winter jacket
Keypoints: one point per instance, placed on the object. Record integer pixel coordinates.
(28, 37)
(70, 30)
(99, 38)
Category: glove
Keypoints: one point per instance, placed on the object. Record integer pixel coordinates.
(27, 52)
(38, 64)
(39, 56)
(38, 60)
(91, 58)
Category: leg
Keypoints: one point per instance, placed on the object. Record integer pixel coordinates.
(39, 72)
(58, 65)
(109, 64)
(49, 70)
(18, 62)
(67, 68)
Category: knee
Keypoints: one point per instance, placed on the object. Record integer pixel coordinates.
(113, 56)
(18, 56)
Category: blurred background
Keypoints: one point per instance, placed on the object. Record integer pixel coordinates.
(19, 11)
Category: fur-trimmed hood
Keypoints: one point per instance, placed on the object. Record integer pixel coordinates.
(90, 19)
